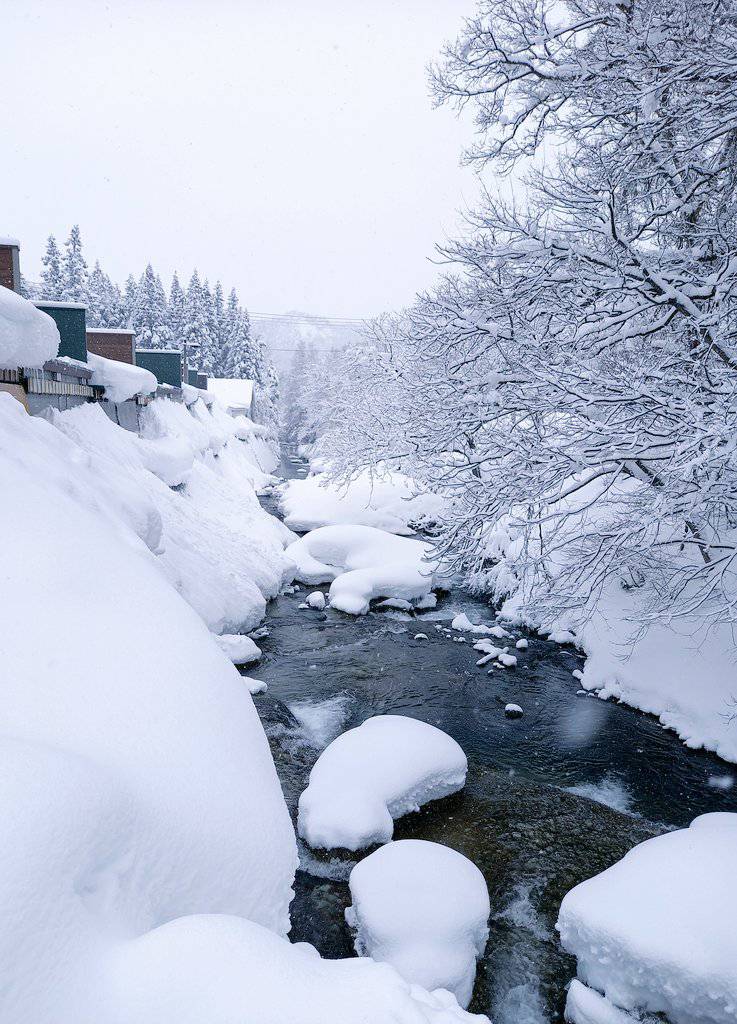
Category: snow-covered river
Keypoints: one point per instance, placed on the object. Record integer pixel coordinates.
(551, 798)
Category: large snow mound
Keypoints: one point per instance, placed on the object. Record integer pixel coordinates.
(224, 970)
(120, 380)
(388, 501)
(28, 337)
(386, 767)
(656, 931)
(363, 563)
(137, 783)
(423, 908)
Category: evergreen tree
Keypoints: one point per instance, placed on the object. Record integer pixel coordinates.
(129, 300)
(52, 280)
(240, 353)
(208, 347)
(104, 304)
(149, 315)
(229, 334)
(176, 313)
(27, 288)
(196, 326)
(74, 268)
(218, 330)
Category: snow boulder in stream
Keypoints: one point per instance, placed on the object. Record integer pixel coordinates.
(423, 908)
(656, 932)
(387, 500)
(363, 563)
(239, 648)
(386, 767)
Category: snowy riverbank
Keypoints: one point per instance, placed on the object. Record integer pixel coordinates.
(682, 672)
(148, 858)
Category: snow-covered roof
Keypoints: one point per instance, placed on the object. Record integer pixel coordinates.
(49, 304)
(28, 337)
(6, 240)
(112, 330)
(233, 392)
(121, 380)
(167, 351)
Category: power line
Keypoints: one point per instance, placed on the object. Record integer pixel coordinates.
(315, 321)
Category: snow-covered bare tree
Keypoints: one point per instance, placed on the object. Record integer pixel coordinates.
(576, 380)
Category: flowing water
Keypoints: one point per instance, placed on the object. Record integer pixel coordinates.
(551, 798)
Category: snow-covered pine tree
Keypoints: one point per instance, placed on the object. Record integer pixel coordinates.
(52, 279)
(176, 313)
(240, 351)
(149, 317)
(104, 304)
(162, 307)
(74, 268)
(196, 326)
(27, 289)
(229, 334)
(218, 329)
(129, 299)
(208, 349)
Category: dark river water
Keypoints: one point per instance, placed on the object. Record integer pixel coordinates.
(551, 798)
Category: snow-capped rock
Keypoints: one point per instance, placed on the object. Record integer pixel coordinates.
(656, 931)
(423, 908)
(370, 775)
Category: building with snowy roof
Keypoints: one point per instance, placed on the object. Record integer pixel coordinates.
(116, 343)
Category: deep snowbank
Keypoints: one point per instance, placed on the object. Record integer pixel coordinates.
(215, 543)
(224, 970)
(137, 784)
(656, 931)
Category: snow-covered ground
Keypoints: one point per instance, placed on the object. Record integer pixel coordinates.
(363, 563)
(389, 501)
(137, 783)
(656, 931)
(682, 669)
(388, 766)
(213, 541)
(147, 856)
(423, 908)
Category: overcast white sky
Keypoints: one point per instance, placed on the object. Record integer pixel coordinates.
(289, 148)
